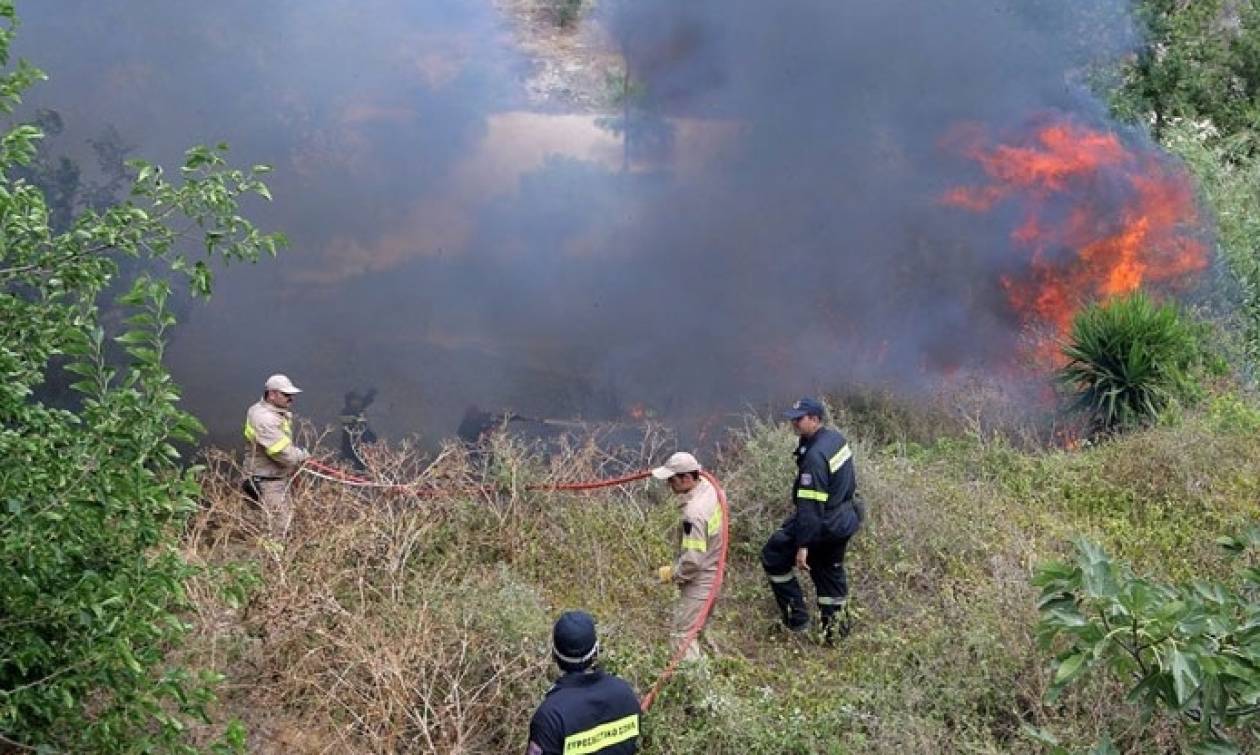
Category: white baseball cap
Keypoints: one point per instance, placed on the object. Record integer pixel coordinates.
(680, 463)
(281, 383)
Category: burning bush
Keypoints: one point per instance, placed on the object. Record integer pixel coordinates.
(1101, 218)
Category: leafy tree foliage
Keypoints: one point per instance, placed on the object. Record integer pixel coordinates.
(92, 493)
(1193, 651)
(1196, 81)
(1128, 359)
(1201, 62)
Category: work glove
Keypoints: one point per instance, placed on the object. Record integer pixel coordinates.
(665, 574)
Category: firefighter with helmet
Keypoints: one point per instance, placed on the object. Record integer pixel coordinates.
(586, 710)
(271, 458)
(814, 539)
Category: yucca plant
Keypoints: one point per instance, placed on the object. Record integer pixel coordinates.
(1128, 359)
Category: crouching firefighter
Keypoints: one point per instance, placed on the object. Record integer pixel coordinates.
(587, 710)
(815, 537)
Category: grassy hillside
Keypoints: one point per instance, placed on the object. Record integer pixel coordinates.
(401, 624)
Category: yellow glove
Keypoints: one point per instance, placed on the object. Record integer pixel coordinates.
(666, 574)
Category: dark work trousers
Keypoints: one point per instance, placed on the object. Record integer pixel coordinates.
(826, 568)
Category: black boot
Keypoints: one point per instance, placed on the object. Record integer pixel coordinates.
(793, 612)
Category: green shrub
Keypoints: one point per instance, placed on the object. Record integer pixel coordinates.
(1129, 359)
(92, 491)
(1193, 651)
(1194, 82)
(1227, 172)
(1229, 413)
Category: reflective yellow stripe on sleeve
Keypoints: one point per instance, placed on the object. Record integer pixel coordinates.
(812, 495)
(279, 446)
(695, 544)
(840, 457)
(715, 523)
(604, 735)
(249, 432)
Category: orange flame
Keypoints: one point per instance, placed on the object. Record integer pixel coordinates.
(1100, 220)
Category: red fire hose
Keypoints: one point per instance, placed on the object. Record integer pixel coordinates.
(694, 631)
(333, 474)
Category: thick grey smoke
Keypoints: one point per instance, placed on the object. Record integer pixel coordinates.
(769, 225)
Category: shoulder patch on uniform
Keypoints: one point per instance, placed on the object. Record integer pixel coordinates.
(807, 478)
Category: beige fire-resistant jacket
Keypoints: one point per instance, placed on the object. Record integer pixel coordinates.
(701, 534)
(269, 438)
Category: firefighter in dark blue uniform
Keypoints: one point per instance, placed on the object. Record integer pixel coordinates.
(355, 431)
(815, 537)
(587, 710)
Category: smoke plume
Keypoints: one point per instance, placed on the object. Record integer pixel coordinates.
(758, 214)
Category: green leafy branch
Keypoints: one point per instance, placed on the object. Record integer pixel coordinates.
(92, 491)
(1191, 650)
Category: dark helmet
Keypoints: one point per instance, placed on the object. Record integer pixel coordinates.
(573, 641)
(357, 402)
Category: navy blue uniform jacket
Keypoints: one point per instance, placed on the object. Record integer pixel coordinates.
(825, 481)
(586, 712)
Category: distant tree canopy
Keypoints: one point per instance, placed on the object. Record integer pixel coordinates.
(92, 496)
(1196, 82)
(1201, 61)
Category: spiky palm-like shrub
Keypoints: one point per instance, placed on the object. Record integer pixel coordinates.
(1129, 358)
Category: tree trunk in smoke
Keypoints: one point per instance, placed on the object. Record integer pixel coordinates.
(625, 120)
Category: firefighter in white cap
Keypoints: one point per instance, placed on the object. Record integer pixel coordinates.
(700, 546)
(271, 458)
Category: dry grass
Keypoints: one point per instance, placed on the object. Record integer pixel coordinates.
(401, 622)
(419, 623)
